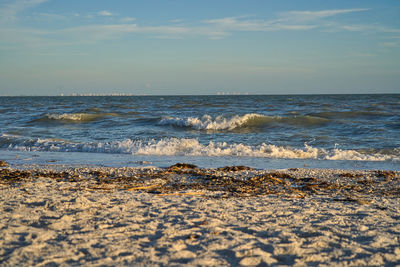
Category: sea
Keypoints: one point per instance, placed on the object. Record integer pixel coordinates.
(261, 131)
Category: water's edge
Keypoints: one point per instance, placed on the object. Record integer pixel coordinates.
(83, 159)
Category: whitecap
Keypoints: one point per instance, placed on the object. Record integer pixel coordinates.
(192, 147)
(207, 122)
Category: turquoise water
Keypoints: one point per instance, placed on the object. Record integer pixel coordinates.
(357, 131)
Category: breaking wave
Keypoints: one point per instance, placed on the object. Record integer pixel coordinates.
(76, 117)
(219, 123)
(191, 147)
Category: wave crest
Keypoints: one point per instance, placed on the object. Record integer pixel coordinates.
(221, 123)
(192, 147)
(76, 117)
(218, 123)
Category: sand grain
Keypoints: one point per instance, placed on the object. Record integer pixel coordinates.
(46, 221)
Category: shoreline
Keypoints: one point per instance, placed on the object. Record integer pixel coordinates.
(60, 160)
(198, 216)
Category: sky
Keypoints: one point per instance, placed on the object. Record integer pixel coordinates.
(163, 47)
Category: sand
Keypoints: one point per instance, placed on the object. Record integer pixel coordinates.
(156, 217)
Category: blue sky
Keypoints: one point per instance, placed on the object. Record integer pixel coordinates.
(49, 47)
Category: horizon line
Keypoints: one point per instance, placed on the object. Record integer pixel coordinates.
(151, 95)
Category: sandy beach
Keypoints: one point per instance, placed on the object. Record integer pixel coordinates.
(183, 215)
(199, 133)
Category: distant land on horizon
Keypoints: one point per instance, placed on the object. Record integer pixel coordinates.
(156, 95)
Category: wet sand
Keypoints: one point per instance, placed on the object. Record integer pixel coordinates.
(186, 215)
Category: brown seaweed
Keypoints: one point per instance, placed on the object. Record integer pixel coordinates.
(187, 179)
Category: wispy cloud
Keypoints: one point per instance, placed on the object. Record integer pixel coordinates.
(234, 67)
(353, 28)
(292, 20)
(369, 28)
(218, 28)
(176, 21)
(105, 13)
(309, 16)
(10, 9)
(127, 19)
(242, 24)
(392, 41)
(391, 44)
(49, 16)
(93, 33)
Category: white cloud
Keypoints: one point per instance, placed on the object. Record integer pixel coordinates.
(292, 20)
(234, 23)
(10, 9)
(306, 16)
(105, 13)
(93, 33)
(218, 28)
(240, 24)
(176, 21)
(49, 16)
(353, 28)
(368, 28)
(234, 67)
(127, 19)
(14, 35)
(386, 29)
(391, 44)
(392, 41)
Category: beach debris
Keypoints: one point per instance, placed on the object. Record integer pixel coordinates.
(182, 194)
(193, 236)
(98, 174)
(143, 187)
(3, 163)
(350, 175)
(13, 176)
(386, 174)
(142, 162)
(183, 179)
(353, 199)
(179, 166)
(235, 168)
(202, 223)
(99, 188)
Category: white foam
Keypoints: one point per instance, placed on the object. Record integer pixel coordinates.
(206, 122)
(219, 123)
(338, 154)
(76, 116)
(192, 147)
(66, 116)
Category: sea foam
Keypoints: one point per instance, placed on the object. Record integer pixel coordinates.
(77, 117)
(192, 147)
(207, 122)
(220, 123)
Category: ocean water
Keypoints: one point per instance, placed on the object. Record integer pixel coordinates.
(329, 131)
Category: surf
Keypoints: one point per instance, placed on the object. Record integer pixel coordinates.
(250, 120)
(192, 147)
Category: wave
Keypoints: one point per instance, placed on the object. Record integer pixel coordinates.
(350, 114)
(75, 117)
(206, 122)
(219, 123)
(192, 147)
